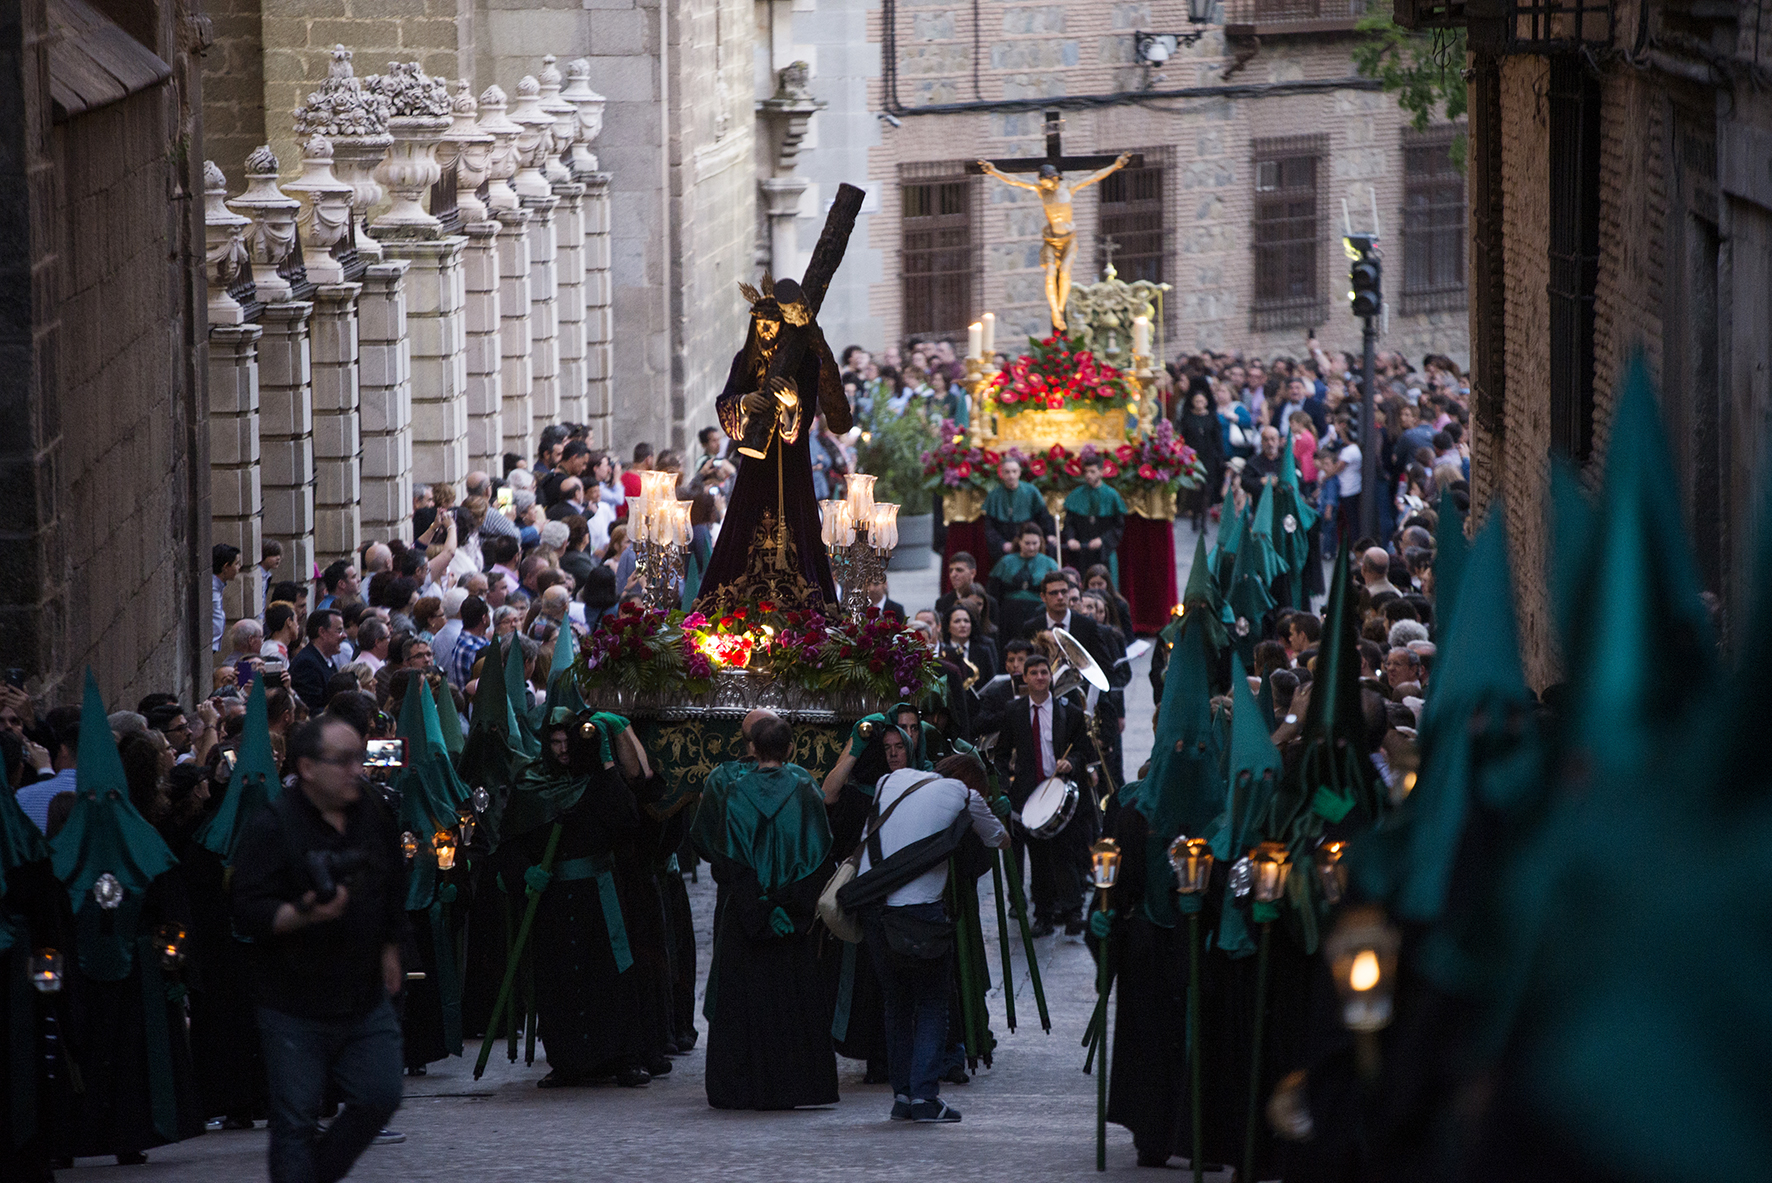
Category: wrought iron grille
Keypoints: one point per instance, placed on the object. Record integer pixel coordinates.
(937, 258)
(1435, 223)
(1287, 232)
(1132, 216)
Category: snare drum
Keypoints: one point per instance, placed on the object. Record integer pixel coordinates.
(1049, 807)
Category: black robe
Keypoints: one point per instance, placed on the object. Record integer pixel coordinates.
(33, 915)
(225, 1046)
(859, 1026)
(1148, 1077)
(589, 999)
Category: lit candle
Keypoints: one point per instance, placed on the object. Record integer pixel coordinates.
(1141, 335)
(975, 339)
(860, 489)
(637, 519)
(990, 336)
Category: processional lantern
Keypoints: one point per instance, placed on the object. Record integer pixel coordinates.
(1192, 860)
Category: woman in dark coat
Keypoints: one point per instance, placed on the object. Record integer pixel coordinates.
(1201, 431)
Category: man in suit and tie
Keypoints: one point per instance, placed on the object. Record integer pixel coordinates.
(1041, 738)
(1055, 598)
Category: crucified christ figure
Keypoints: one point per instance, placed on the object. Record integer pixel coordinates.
(1060, 234)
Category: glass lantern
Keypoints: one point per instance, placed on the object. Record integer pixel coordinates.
(1270, 865)
(444, 844)
(1192, 860)
(1104, 858)
(1331, 870)
(46, 970)
(1362, 957)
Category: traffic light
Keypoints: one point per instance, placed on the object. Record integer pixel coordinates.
(1365, 274)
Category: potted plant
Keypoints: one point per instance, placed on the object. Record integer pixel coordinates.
(892, 450)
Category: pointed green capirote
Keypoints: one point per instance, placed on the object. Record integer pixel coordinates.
(1254, 770)
(1252, 575)
(1293, 544)
(516, 686)
(1451, 553)
(1641, 650)
(252, 785)
(447, 716)
(1183, 790)
(105, 833)
(1574, 528)
(1478, 678)
(493, 753)
(1334, 710)
(562, 685)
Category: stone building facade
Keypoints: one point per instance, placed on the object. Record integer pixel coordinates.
(676, 146)
(104, 543)
(1620, 201)
(1253, 138)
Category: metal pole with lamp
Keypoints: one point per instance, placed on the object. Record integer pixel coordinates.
(1270, 865)
(1366, 295)
(1192, 860)
(1104, 859)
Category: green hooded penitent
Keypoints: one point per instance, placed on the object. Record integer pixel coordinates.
(1450, 551)
(769, 819)
(1295, 518)
(1183, 790)
(432, 796)
(495, 752)
(1252, 577)
(253, 784)
(1255, 767)
(107, 853)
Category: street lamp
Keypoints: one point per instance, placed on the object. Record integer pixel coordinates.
(1153, 49)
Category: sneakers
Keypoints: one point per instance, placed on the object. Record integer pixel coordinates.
(389, 1137)
(901, 1107)
(929, 1112)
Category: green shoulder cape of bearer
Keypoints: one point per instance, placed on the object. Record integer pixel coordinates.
(1023, 505)
(770, 819)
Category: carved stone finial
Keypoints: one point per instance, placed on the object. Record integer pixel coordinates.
(272, 239)
(324, 223)
(262, 162)
(534, 143)
(463, 103)
(793, 79)
(502, 164)
(550, 74)
(528, 87)
(410, 92)
(493, 96)
(342, 107)
(565, 129)
(589, 103)
(213, 180)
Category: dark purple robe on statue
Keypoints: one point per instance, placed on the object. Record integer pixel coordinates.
(754, 493)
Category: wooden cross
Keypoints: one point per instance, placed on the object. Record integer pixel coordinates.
(1055, 155)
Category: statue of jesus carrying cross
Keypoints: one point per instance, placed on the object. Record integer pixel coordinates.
(1060, 237)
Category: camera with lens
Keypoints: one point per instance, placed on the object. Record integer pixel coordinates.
(328, 870)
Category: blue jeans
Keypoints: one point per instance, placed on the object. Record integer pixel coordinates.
(916, 997)
(360, 1057)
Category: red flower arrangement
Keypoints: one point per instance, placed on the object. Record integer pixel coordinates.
(1057, 375)
(953, 465)
(651, 650)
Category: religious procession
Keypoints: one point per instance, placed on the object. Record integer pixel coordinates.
(1076, 590)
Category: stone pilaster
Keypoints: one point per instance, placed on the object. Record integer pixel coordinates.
(436, 324)
(236, 501)
(484, 355)
(599, 315)
(386, 382)
(338, 442)
(569, 279)
(286, 431)
(516, 375)
(544, 307)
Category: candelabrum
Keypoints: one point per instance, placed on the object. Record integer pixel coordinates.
(659, 527)
(860, 537)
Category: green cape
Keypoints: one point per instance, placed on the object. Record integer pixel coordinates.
(769, 819)
(253, 784)
(432, 796)
(1183, 790)
(105, 835)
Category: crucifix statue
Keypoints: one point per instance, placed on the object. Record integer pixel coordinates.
(1055, 196)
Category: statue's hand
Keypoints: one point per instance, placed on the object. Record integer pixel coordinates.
(755, 403)
(785, 391)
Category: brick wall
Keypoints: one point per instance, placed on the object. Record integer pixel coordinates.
(1055, 50)
(1525, 474)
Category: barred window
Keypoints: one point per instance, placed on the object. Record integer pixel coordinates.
(1287, 232)
(937, 256)
(1435, 217)
(1132, 217)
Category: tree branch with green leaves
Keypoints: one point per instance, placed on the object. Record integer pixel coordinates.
(1424, 70)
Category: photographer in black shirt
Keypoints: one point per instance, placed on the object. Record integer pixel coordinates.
(319, 882)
